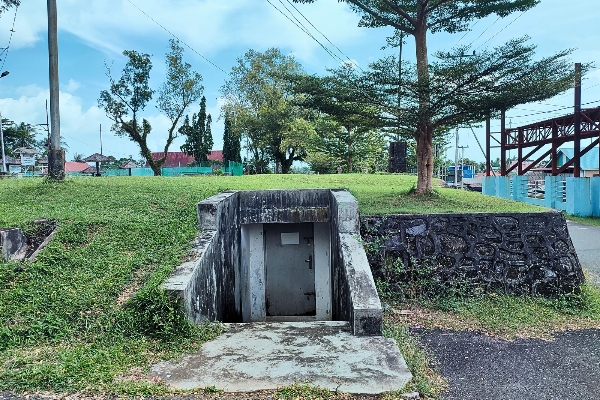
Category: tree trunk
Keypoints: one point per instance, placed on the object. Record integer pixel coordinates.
(424, 132)
(424, 139)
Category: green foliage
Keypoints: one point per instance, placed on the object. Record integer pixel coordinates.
(21, 135)
(231, 142)
(259, 99)
(304, 391)
(199, 140)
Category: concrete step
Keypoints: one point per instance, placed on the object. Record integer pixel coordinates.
(263, 356)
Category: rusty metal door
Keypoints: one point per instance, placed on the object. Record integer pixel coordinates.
(290, 270)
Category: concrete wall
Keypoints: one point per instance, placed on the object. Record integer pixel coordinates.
(284, 206)
(211, 283)
(516, 253)
(355, 297)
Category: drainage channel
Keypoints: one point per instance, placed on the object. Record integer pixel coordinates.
(285, 271)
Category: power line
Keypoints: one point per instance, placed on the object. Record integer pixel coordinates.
(500, 31)
(482, 33)
(321, 33)
(305, 30)
(176, 37)
(466, 33)
(12, 31)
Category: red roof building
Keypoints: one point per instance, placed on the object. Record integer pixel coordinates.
(180, 159)
(75, 166)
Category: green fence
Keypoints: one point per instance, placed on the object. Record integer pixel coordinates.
(233, 168)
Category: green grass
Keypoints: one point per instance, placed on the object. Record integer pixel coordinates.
(68, 322)
(585, 220)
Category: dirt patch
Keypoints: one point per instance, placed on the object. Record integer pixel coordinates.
(38, 235)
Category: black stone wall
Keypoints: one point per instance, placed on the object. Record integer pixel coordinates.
(517, 253)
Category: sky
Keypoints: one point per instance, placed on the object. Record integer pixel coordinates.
(214, 33)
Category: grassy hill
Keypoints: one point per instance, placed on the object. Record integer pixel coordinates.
(87, 316)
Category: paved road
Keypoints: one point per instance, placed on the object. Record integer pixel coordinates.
(586, 239)
(481, 367)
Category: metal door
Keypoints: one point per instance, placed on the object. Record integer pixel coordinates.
(289, 259)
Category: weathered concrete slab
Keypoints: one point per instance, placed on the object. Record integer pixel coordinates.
(13, 244)
(260, 356)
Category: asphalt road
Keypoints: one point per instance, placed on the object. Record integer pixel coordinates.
(481, 367)
(586, 239)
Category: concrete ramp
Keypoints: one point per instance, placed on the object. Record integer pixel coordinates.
(269, 355)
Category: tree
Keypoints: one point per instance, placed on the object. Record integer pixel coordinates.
(128, 97)
(78, 157)
(348, 132)
(21, 135)
(352, 150)
(199, 140)
(6, 4)
(231, 143)
(260, 97)
(419, 17)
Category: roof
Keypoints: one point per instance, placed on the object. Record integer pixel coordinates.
(174, 159)
(26, 151)
(92, 170)
(129, 164)
(215, 155)
(72, 166)
(96, 158)
(181, 159)
(589, 161)
(11, 161)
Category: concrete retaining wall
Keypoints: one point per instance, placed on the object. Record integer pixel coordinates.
(516, 253)
(210, 284)
(355, 297)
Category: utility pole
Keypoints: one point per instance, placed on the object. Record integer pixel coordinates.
(577, 123)
(456, 161)
(462, 166)
(2, 145)
(56, 156)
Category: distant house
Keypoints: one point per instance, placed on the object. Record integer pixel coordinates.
(181, 159)
(588, 162)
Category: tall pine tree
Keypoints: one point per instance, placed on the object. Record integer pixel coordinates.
(231, 143)
(199, 140)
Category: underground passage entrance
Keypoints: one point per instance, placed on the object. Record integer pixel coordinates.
(279, 255)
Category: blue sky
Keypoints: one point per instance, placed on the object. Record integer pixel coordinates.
(94, 33)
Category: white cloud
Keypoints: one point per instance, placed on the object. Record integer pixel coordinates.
(72, 86)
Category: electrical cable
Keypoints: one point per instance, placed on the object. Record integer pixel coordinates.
(466, 33)
(500, 31)
(322, 34)
(482, 33)
(12, 31)
(176, 37)
(303, 29)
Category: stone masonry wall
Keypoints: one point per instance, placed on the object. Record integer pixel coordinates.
(519, 253)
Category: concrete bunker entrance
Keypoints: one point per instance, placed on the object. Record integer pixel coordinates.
(280, 255)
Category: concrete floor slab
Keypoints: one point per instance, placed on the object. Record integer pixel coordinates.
(270, 355)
